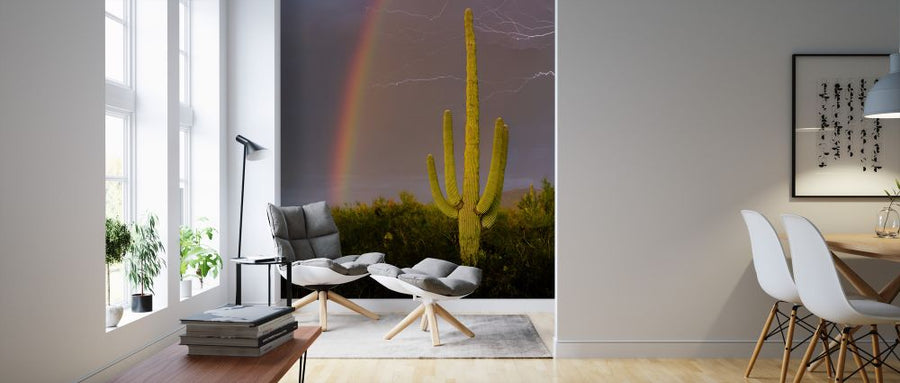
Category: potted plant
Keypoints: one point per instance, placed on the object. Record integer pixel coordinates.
(144, 263)
(118, 239)
(198, 260)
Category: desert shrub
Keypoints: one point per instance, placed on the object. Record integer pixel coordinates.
(516, 253)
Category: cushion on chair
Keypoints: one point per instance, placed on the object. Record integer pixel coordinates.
(441, 286)
(346, 265)
(435, 276)
(304, 232)
(384, 269)
(435, 267)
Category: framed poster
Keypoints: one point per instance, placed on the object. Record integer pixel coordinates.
(836, 152)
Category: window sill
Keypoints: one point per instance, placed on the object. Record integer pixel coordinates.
(129, 317)
(195, 291)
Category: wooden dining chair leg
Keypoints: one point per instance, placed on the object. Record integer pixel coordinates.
(761, 340)
(826, 354)
(424, 324)
(809, 352)
(879, 378)
(842, 355)
(788, 343)
(856, 358)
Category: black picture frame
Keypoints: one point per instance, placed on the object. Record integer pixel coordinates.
(794, 117)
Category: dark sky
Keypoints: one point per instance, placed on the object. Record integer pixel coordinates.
(414, 70)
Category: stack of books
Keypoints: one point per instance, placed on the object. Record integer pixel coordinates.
(238, 330)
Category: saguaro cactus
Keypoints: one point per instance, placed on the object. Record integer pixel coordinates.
(473, 213)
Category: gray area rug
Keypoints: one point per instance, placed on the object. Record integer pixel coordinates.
(496, 336)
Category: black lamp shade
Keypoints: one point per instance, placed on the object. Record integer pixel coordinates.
(252, 150)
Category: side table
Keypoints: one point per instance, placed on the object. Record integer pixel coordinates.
(276, 262)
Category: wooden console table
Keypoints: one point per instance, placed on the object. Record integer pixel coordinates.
(173, 364)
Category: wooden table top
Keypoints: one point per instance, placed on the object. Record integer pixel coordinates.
(173, 364)
(866, 245)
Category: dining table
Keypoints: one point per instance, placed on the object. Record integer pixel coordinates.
(868, 246)
(863, 245)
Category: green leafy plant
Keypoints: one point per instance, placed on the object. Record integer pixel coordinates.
(144, 263)
(118, 240)
(198, 259)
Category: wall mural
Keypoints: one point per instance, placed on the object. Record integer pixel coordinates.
(837, 152)
(372, 88)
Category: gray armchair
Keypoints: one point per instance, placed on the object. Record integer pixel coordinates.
(308, 237)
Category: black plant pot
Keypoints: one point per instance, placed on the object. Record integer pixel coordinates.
(141, 303)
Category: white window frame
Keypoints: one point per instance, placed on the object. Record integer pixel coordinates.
(120, 103)
(186, 113)
(128, 24)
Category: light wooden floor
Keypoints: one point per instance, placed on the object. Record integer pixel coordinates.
(547, 370)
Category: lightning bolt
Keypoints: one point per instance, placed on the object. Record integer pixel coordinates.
(523, 82)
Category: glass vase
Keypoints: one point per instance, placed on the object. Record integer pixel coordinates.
(887, 224)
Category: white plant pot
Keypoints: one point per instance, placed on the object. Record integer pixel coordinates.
(186, 288)
(113, 315)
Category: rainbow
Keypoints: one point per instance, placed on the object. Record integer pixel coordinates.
(351, 106)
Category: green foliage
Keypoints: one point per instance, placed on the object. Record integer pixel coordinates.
(118, 239)
(144, 263)
(198, 259)
(516, 254)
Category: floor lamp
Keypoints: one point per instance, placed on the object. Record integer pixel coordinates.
(252, 152)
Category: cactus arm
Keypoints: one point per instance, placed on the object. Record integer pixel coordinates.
(494, 187)
(450, 162)
(490, 217)
(436, 193)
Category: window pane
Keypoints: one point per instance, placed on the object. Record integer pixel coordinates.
(115, 146)
(182, 154)
(182, 87)
(115, 50)
(116, 7)
(115, 200)
(181, 26)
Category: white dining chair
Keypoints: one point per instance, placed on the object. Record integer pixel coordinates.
(775, 279)
(820, 290)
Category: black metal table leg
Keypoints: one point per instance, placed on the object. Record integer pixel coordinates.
(302, 365)
(290, 284)
(269, 283)
(237, 289)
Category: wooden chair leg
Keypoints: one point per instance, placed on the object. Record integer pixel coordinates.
(762, 338)
(809, 351)
(858, 360)
(788, 343)
(879, 378)
(309, 298)
(350, 305)
(432, 324)
(424, 324)
(842, 355)
(443, 313)
(323, 310)
(415, 314)
(826, 354)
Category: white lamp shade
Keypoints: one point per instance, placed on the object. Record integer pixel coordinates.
(883, 100)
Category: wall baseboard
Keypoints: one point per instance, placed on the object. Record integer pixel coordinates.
(119, 366)
(460, 306)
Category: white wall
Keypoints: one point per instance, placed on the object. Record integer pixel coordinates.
(253, 111)
(52, 204)
(673, 116)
